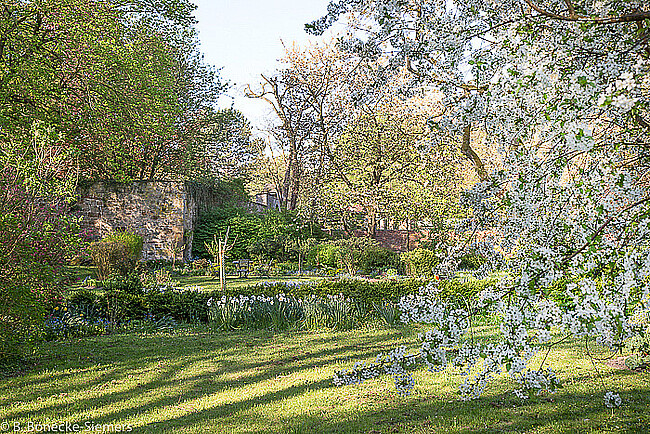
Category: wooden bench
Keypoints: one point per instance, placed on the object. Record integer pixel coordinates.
(243, 267)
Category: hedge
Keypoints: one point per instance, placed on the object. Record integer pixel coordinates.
(192, 306)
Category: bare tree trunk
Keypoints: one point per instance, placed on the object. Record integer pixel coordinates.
(372, 224)
(222, 268)
(294, 187)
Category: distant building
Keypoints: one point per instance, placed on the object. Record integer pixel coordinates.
(267, 199)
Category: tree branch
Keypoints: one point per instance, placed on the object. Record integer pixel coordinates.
(467, 150)
(636, 16)
(602, 227)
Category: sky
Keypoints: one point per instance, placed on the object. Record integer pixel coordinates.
(243, 37)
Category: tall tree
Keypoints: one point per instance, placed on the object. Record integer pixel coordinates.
(118, 85)
(314, 98)
(387, 169)
(563, 87)
(224, 146)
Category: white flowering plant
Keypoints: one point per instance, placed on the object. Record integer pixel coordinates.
(562, 89)
(283, 311)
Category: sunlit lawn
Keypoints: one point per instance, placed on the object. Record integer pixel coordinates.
(199, 381)
(210, 283)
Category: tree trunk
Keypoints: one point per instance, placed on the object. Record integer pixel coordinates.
(222, 268)
(372, 224)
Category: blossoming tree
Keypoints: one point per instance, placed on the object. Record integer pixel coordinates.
(563, 88)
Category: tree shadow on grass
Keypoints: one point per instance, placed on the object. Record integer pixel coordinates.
(574, 413)
(174, 402)
(166, 378)
(506, 414)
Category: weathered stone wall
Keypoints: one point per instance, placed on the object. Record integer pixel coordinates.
(161, 212)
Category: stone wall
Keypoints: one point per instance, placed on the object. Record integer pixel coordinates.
(161, 212)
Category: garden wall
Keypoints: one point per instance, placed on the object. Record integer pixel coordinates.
(161, 212)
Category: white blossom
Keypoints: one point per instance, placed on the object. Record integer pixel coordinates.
(568, 102)
(612, 400)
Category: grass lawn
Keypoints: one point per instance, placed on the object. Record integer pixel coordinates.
(199, 381)
(210, 283)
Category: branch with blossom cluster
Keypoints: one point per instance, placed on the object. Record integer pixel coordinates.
(562, 90)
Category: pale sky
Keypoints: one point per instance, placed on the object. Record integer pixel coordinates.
(243, 37)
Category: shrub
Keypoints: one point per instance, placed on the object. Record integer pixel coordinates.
(132, 242)
(120, 306)
(66, 323)
(187, 306)
(90, 313)
(336, 304)
(37, 240)
(471, 261)
(201, 264)
(466, 289)
(284, 268)
(132, 283)
(374, 258)
(156, 264)
(116, 253)
(351, 251)
(420, 262)
(349, 254)
(243, 227)
(327, 254)
(358, 289)
(276, 235)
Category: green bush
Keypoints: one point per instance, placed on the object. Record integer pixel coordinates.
(275, 235)
(353, 253)
(114, 306)
(118, 306)
(358, 289)
(117, 253)
(458, 288)
(121, 306)
(185, 306)
(374, 258)
(132, 283)
(37, 239)
(131, 241)
(76, 322)
(420, 262)
(327, 254)
(329, 301)
(284, 268)
(471, 261)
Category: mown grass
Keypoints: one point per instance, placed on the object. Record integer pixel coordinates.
(195, 380)
(210, 283)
